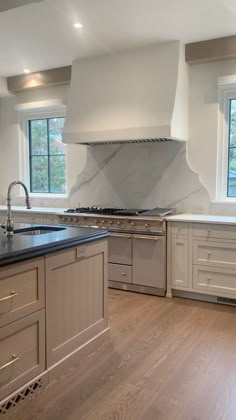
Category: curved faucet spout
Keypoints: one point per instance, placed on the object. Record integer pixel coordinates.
(9, 224)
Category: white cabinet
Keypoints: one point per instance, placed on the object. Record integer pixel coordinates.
(179, 261)
(201, 259)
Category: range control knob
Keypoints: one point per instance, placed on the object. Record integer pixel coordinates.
(110, 222)
(118, 223)
(147, 225)
(132, 224)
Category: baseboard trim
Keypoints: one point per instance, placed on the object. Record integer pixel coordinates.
(137, 288)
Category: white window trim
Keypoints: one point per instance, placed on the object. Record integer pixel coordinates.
(26, 114)
(227, 91)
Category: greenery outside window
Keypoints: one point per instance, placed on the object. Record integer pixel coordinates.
(231, 175)
(226, 148)
(47, 168)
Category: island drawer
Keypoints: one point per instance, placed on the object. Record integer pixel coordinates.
(22, 290)
(212, 231)
(220, 281)
(121, 273)
(22, 352)
(215, 254)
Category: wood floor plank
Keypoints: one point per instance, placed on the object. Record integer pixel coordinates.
(168, 359)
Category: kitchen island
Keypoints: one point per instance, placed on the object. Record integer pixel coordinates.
(53, 305)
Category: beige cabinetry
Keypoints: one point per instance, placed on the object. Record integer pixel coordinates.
(22, 352)
(201, 259)
(38, 334)
(76, 284)
(21, 290)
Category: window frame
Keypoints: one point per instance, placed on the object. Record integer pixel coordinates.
(24, 170)
(227, 92)
(48, 155)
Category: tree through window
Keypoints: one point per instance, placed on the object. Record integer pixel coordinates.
(47, 156)
(231, 184)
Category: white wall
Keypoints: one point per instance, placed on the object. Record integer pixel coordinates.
(143, 175)
(9, 142)
(202, 146)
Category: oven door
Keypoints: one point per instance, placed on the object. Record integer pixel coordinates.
(120, 248)
(149, 261)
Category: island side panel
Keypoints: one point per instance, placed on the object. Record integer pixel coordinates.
(76, 298)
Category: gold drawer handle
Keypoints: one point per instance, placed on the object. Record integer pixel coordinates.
(12, 295)
(14, 359)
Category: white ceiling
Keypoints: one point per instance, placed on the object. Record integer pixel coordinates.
(40, 36)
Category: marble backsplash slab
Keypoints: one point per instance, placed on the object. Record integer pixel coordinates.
(143, 175)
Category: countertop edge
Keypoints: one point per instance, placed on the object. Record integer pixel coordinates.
(202, 218)
(42, 250)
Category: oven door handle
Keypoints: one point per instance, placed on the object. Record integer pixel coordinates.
(121, 235)
(147, 237)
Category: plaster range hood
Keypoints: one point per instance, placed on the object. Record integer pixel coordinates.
(13, 4)
(139, 95)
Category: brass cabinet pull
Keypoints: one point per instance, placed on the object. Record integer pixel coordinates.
(14, 359)
(12, 295)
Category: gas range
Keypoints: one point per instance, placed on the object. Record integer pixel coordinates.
(111, 211)
(143, 221)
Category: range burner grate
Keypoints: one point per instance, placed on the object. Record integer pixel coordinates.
(95, 210)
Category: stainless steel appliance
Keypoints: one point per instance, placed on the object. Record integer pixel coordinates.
(137, 245)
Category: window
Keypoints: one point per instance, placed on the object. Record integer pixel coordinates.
(231, 175)
(226, 164)
(47, 169)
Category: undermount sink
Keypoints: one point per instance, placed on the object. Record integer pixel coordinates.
(37, 230)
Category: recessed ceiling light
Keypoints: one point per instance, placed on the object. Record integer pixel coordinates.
(26, 71)
(78, 25)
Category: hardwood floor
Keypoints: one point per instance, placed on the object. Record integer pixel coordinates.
(169, 359)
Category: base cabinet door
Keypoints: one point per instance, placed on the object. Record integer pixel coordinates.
(22, 352)
(149, 264)
(76, 286)
(179, 261)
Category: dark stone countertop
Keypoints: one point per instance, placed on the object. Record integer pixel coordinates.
(23, 247)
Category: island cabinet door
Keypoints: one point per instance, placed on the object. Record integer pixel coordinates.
(22, 352)
(21, 290)
(76, 287)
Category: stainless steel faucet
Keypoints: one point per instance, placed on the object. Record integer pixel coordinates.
(9, 224)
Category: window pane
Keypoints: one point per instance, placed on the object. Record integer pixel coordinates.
(39, 137)
(57, 174)
(55, 135)
(39, 174)
(232, 122)
(232, 173)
